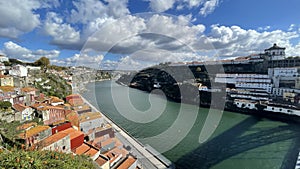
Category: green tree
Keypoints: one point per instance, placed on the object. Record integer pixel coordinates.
(43, 62)
(5, 104)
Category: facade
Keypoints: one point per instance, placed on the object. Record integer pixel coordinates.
(3, 58)
(275, 52)
(18, 70)
(76, 137)
(6, 80)
(52, 114)
(35, 134)
(25, 111)
(91, 120)
(57, 142)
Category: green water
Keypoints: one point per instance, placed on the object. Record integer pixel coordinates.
(239, 141)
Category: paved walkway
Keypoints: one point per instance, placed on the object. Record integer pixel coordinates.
(146, 159)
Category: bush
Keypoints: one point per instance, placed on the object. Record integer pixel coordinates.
(5, 104)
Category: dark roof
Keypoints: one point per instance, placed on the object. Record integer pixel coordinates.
(274, 47)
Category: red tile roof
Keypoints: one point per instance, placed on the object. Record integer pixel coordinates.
(20, 107)
(73, 133)
(127, 163)
(28, 89)
(52, 139)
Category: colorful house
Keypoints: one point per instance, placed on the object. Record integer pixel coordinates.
(6, 80)
(76, 137)
(57, 142)
(91, 120)
(25, 113)
(35, 134)
(52, 114)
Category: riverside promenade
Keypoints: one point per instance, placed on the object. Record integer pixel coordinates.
(147, 158)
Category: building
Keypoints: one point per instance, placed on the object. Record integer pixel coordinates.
(3, 58)
(57, 142)
(76, 137)
(275, 52)
(6, 80)
(91, 120)
(35, 134)
(18, 70)
(25, 112)
(55, 101)
(52, 114)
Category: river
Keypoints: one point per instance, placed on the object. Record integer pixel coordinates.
(238, 142)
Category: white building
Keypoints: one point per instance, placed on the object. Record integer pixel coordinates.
(3, 58)
(275, 52)
(18, 70)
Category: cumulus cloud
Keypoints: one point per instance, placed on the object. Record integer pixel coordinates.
(14, 50)
(17, 17)
(62, 33)
(208, 7)
(235, 41)
(85, 59)
(161, 5)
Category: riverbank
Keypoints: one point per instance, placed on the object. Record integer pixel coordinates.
(147, 158)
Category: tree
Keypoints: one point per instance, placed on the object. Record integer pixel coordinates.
(5, 104)
(43, 62)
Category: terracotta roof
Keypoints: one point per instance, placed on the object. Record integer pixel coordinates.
(76, 102)
(52, 139)
(38, 106)
(86, 150)
(82, 107)
(82, 149)
(54, 99)
(101, 160)
(20, 107)
(28, 89)
(72, 132)
(26, 126)
(51, 107)
(35, 130)
(73, 118)
(7, 88)
(89, 116)
(127, 163)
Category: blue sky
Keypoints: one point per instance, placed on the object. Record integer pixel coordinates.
(113, 34)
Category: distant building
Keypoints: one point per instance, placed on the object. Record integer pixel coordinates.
(35, 134)
(3, 58)
(18, 70)
(57, 142)
(26, 112)
(91, 120)
(6, 80)
(275, 52)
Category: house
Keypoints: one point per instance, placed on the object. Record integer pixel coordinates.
(3, 58)
(6, 80)
(102, 162)
(18, 70)
(76, 137)
(73, 118)
(88, 150)
(60, 127)
(30, 93)
(73, 96)
(35, 135)
(90, 120)
(55, 101)
(129, 162)
(82, 109)
(103, 130)
(52, 114)
(57, 142)
(24, 113)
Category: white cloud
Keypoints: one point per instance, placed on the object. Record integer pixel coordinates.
(62, 33)
(14, 50)
(161, 5)
(208, 7)
(194, 3)
(85, 59)
(17, 17)
(235, 41)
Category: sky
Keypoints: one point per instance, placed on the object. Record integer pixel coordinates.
(134, 34)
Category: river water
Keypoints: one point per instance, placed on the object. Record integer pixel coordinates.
(238, 142)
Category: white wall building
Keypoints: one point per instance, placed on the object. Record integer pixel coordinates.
(3, 58)
(18, 70)
(275, 52)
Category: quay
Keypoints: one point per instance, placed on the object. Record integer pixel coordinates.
(147, 157)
